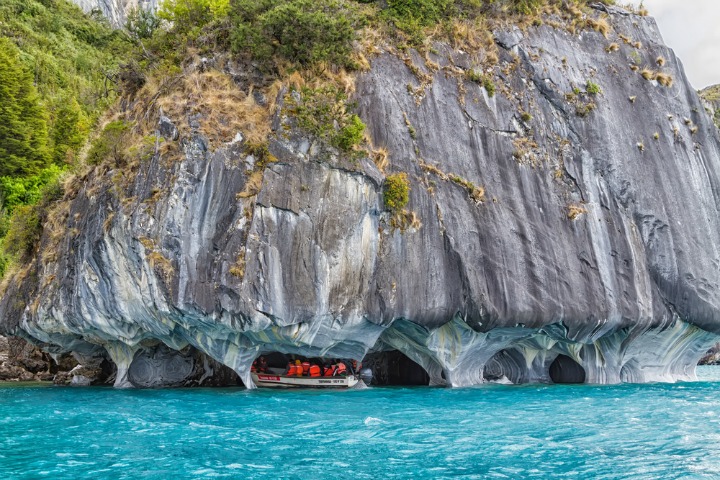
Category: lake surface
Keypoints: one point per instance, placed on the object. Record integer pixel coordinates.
(491, 431)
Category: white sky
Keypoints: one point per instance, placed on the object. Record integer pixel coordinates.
(692, 29)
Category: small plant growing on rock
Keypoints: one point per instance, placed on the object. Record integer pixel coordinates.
(526, 117)
(592, 88)
(397, 192)
(660, 61)
(574, 211)
(613, 47)
(664, 79)
(647, 74)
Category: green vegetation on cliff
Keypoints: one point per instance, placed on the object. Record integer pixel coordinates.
(223, 62)
(56, 70)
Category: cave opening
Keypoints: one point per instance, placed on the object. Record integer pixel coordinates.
(566, 370)
(395, 368)
(506, 364)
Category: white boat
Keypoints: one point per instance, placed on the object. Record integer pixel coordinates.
(283, 381)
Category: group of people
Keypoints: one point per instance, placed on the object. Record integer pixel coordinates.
(309, 369)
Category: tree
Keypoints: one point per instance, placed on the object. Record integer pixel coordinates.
(23, 120)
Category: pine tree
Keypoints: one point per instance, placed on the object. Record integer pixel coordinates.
(23, 124)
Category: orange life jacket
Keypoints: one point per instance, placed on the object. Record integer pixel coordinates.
(329, 371)
(292, 370)
(314, 371)
(341, 369)
(305, 368)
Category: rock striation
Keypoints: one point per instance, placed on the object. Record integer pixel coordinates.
(592, 254)
(116, 11)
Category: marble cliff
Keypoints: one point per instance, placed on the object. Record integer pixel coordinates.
(567, 223)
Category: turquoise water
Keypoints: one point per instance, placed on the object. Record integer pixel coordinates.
(491, 431)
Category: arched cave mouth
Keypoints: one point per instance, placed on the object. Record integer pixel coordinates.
(395, 368)
(508, 364)
(566, 370)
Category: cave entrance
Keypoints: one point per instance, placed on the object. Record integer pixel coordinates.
(566, 370)
(395, 368)
(509, 364)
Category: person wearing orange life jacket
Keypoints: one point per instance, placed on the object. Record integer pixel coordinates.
(305, 368)
(290, 371)
(314, 370)
(329, 371)
(298, 368)
(340, 369)
(253, 367)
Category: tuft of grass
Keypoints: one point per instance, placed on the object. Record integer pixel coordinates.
(574, 211)
(664, 79)
(648, 74)
(599, 25)
(613, 47)
(660, 61)
(640, 146)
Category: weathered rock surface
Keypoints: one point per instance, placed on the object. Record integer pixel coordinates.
(21, 361)
(597, 242)
(116, 11)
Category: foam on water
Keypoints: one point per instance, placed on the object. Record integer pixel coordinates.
(492, 431)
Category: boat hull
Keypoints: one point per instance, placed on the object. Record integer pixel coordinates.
(282, 381)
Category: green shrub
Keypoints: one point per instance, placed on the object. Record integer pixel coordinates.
(24, 232)
(306, 32)
(189, 16)
(351, 134)
(110, 145)
(397, 192)
(592, 88)
(323, 112)
(481, 79)
(142, 23)
(16, 191)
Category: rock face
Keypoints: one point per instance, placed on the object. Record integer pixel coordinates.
(21, 361)
(116, 11)
(594, 256)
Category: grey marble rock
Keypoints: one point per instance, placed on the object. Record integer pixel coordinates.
(596, 243)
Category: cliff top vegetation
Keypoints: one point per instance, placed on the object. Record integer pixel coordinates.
(220, 61)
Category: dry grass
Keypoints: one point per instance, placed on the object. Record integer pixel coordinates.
(599, 25)
(404, 220)
(238, 269)
(574, 211)
(223, 108)
(648, 74)
(252, 185)
(613, 47)
(660, 61)
(381, 158)
(664, 79)
(429, 168)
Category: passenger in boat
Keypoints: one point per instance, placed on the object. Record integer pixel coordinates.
(253, 367)
(314, 370)
(306, 368)
(355, 366)
(298, 368)
(340, 369)
(262, 365)
(329, 370)
(290, 369)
